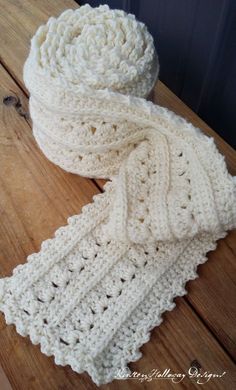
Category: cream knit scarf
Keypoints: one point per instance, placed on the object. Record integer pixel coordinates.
(93, 293)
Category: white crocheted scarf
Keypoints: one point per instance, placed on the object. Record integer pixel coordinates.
(93, 293)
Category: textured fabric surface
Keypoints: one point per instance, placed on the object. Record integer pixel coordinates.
(94, 292)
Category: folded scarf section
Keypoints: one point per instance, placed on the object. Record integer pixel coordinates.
(94, 292)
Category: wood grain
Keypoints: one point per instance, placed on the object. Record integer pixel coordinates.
(37, 197)
(4, 382)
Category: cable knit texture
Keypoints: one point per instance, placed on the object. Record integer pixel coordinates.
(94, 292)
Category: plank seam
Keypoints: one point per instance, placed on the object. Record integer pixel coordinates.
(230, 356)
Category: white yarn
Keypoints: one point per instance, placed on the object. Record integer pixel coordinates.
(93, 293)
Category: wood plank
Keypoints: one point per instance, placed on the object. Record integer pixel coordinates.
(30, 179)
(4, 383)
(213, 294)
(168, 350)
(29, 368)
(37, 197)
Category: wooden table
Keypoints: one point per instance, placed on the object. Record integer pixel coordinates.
(37, 197)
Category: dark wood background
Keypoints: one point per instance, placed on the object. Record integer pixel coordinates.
(196, 43)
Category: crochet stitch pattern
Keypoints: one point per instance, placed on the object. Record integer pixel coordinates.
(91, 296)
